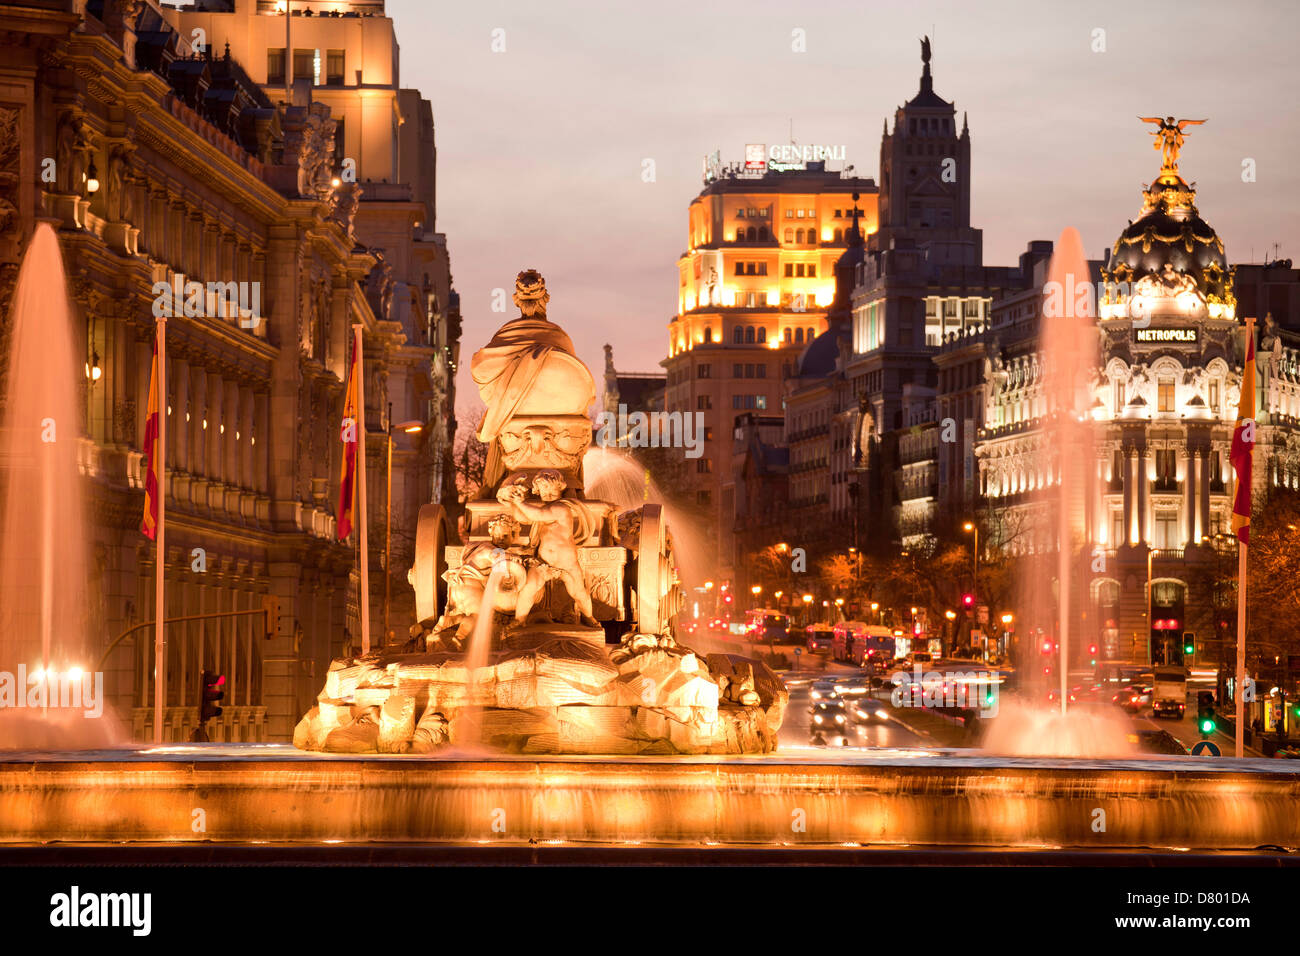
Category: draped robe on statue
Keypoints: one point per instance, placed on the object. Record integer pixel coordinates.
(529, 368)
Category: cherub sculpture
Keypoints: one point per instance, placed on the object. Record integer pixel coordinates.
(558, 526)
(467, 584)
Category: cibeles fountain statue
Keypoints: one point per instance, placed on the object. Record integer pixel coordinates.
(551, 629)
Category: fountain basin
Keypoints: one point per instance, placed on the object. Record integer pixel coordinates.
(275, 794)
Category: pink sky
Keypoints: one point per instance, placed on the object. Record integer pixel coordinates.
(540, 148)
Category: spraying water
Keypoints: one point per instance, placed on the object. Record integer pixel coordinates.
(43, 538)
(470, 723)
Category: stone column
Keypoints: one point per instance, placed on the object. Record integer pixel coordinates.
(1203, 479)
(212, 434)
(1143, 496)
(1130, 495)
(1189, 498)
(180, 434)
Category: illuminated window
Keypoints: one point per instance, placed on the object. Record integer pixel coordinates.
(703, 403)
(1166, 394)
(789, 237)
(799, 213)
(761, 401)
(789, 266)
(1214, 394)
(740, 214)
(1119, 397)
(812, 271)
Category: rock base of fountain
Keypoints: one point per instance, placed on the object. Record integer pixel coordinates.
(549, 692)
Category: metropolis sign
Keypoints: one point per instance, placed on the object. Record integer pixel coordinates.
(1166, 335)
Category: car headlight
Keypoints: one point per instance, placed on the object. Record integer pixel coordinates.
(817, 719)
(839, 718)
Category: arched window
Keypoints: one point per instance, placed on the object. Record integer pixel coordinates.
(738, 335)
(839, 235)
(798, 336)
(749, 334)
(798, 236)
(789, 235)
(762, 334)
(762, 233)
(708, 334)
(811, 335)
(751, 233)
(789, 335)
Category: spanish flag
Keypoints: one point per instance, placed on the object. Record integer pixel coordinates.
(349, 433)
(154, 471)
(1243, 441)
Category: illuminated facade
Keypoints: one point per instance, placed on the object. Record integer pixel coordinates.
(346, 58)
(204, 174)
(754, 286)
(1163, 398)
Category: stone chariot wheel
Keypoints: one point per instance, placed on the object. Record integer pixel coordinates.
(658, 598)
(431, 537)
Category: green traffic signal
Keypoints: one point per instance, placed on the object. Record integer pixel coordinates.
(1207, 726)
(1189, 648)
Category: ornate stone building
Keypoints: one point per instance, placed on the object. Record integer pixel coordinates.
(163, 165)
(1155, 499)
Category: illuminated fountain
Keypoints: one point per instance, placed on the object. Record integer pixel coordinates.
(45, 699)
(516, 621)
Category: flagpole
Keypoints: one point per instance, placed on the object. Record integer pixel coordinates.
(160, 441)
(360, 506)
(1240, 684)
(1241, 521)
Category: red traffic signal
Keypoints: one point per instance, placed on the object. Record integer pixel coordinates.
(214, 689)
(968, 600)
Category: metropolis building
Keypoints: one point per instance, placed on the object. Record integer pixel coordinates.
(1156, 495)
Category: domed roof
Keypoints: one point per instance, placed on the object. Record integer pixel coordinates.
(1169, 233)
(818, 360)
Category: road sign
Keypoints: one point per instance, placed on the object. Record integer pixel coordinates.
(1204, 747)
(982, 614)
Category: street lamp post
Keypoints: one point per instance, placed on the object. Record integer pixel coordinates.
(1151, 553)
(970, 526)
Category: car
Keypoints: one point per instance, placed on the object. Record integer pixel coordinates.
(828, 717)
(1157, 742)
(1128, 699)
(821, 690)
(863, 711)
(852, 687)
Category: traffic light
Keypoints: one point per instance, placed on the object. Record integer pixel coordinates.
(1189, 643)
(214, 688)
(271, 613)
(968, 601)
(1092, 654)
(1205, 720)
